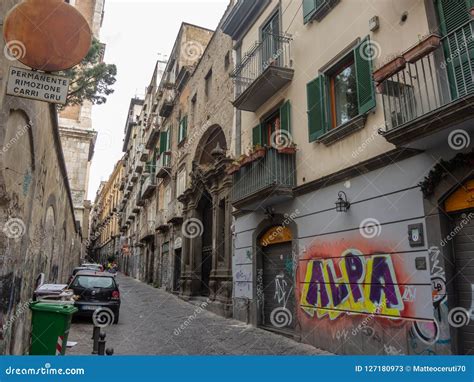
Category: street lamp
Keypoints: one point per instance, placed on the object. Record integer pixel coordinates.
(342, 205)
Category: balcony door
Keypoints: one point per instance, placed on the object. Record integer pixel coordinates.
(458, 44)
(270, 41)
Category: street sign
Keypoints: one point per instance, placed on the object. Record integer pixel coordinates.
(48, 35)
(37, 85)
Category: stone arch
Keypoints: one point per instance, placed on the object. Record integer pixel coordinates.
(213, 137)
(269, 221)
(50, 242)
(19, 165)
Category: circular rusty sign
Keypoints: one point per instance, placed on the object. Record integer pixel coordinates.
(48, 35)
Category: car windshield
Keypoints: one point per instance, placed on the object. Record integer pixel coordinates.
(93, 282)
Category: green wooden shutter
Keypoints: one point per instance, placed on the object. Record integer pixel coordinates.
(285, 116)
(163, 142)
(257, 135)
(452, 14)
(185, 126)
(168, 136)
(309, 7)
(180, 130)
(365, 83)
(316, 96)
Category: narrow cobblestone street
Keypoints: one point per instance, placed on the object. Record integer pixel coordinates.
(149, 318)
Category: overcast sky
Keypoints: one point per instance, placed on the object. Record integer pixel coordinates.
(135, 33)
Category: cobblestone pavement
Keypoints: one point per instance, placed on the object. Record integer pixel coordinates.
(149, 324)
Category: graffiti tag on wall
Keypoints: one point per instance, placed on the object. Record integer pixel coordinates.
(353, 283)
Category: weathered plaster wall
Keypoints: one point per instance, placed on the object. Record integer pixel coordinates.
(37, 225)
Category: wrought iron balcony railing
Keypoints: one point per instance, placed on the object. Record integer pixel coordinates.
(148, 186)
(264, 69)
(163, 165)
(264, 181)
(430, 82)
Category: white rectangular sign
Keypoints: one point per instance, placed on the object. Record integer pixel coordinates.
(37, 85)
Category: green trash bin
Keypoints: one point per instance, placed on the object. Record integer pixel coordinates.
(50, 328)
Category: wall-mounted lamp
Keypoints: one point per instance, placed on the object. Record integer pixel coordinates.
(269, 213)
(342, 205)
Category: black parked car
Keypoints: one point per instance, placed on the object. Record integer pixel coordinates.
(74, 272)
(94, 290)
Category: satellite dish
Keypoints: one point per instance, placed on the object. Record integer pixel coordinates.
(48, 35)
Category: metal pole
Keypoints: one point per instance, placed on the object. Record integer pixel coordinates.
(102, 344)
(95, 338)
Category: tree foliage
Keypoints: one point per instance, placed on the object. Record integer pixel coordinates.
(92, 79)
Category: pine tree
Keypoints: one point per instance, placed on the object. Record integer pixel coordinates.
(91, 79)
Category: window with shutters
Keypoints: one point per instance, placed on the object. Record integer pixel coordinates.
(278, 123)
(161, 198)
(167, 197)
(343, 92)
(181, 182)
(183, 127)
(208, 83)
(340, 97)
(317, 9)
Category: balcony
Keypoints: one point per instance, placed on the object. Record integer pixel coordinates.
(161, 222)
(138, 167)
(429, 92)
(167, 102)
(264, 182)
(163, 165)
(122, 185)
(140, 202)
(142, 153)
(148, 187)
(136, 207)
(264, 70)
(147, 230)
(152, 138)
(175, 213)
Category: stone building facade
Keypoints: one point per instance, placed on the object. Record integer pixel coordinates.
(77, 134)
(177, 150)
(104, 242)
(201, 158)
(130, 253)
(38, 230)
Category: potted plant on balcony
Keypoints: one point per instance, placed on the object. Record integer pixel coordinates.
(257, 152)
(390, 68)
(290, 148)
(233, 168)
(244, 160)
(427, 45)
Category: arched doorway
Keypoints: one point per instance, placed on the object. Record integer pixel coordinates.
(50, 247)
(214, 138)
(460, 206)
(276, 279)
(205, 258)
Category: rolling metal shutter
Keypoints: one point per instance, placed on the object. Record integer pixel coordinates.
(464, 261)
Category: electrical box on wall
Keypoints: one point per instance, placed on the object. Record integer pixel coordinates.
(415, 235)
(420, 264)
(374, 23)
